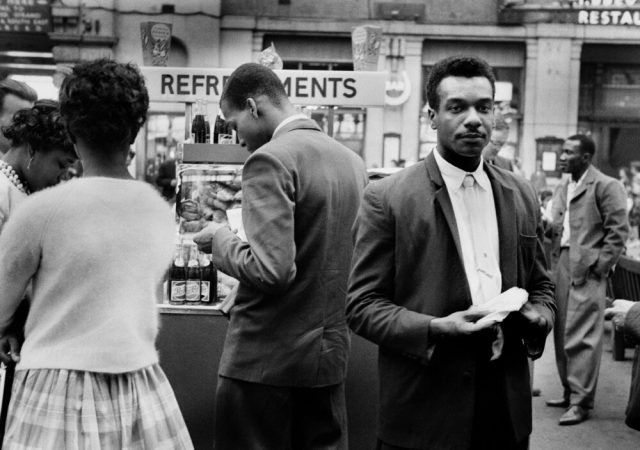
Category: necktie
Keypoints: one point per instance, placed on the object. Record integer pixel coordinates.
(485, 262)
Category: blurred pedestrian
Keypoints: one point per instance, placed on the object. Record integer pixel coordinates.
(96, 249)
(539, 178)
(634, 170)
(39, 154)
(625, 315)
(589, 228)
(166, 179)
(433, 244)
(14, 96)
(281, 378)
(545, 204)
(499, 137)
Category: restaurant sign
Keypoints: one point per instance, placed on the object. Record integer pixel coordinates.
(24, 16)
(608, 12)
(304, 87)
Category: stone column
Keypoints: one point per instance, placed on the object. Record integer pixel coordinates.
(404, 118)
(551, 92)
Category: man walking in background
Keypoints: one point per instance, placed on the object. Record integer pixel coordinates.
(589, 228)
(14, 96)
(281, 378)
(433, 244)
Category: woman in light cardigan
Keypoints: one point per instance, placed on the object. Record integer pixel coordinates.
(96, 249)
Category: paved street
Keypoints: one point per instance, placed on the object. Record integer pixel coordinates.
(605, 430)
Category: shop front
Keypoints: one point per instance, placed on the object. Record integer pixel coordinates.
(610, 103)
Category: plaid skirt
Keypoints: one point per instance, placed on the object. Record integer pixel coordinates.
(69, 409)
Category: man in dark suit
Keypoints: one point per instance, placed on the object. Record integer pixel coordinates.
(425, 261)
(281, 378)
(589, 228)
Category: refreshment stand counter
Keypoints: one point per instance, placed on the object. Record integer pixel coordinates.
(191, 337)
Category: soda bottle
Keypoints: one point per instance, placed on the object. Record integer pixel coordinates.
(207, 125)
(177, 278)
(219, 128)
(208, 285)
(198, 126)
(193, 277)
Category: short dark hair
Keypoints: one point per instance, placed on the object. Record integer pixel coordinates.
(457, 66)
(252, 80)
(17, 88)
(586, 143)
(40, 127)
(105, 103)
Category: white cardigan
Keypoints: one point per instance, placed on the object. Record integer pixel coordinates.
(97, 249)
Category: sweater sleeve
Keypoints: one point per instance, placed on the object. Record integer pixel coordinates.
(20, 247)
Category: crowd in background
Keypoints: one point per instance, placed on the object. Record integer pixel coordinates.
(630, 178)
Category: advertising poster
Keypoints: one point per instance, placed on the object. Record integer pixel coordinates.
(156, 43)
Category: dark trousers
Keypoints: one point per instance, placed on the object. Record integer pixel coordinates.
(492, 427)
(257, 416)
(517, 446)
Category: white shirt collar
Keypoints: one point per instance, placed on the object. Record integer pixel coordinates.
(287, 121)
(453, 175)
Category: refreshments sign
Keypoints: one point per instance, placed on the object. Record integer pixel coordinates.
(304, 87)
(24, 16)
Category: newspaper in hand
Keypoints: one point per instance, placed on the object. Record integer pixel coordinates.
(501, 305)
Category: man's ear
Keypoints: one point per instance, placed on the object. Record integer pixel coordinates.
(253, 107)
(433, 118)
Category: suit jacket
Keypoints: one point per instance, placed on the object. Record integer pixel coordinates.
(599, 224)
(301, 192)
(632, 334)
(407, 269)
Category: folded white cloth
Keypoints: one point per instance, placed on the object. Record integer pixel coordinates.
(501, 305)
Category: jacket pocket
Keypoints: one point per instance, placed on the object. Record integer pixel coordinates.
(527, 240)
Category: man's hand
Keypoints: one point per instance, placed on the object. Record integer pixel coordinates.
(9, 349)
(204, 236)
(618, 312)
(459, 323)
(533, 318)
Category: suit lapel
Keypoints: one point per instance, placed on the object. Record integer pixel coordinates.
(588, 179)
(442, 198)
(506, 217)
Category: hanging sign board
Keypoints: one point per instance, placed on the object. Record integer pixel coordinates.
(304, 87)
(24, 16)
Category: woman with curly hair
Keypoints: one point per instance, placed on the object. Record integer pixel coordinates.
(96, 249)
(39, 155)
